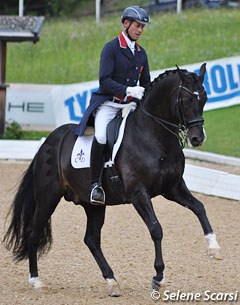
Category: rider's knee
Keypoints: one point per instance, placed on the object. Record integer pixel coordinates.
(102, 139)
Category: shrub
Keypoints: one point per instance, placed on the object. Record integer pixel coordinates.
(13, 131)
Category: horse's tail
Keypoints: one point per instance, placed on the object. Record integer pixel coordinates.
(22, 212)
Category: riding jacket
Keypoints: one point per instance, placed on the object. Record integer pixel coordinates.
(119, 69)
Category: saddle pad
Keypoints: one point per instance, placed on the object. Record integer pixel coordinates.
(81, 153)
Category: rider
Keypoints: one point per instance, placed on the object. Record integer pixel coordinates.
(123, 76)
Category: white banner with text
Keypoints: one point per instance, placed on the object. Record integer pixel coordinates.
(55, 105)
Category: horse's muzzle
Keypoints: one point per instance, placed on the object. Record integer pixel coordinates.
(196, 136)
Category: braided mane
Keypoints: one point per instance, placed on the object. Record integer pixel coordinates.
(166, 74)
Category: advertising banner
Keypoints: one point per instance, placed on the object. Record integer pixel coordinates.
(71, 101)
(29, 104)
(59, 104)
(221, 82)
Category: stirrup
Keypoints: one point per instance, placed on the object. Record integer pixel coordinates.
(99, 197)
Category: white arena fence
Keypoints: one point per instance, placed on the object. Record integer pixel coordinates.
(198, 179)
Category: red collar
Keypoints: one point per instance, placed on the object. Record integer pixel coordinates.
(123, 43)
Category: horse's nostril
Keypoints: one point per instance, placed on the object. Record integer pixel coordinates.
(196, 141)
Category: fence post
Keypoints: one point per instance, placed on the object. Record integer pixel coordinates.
(179, 6)
(98, 7)
(3, 53)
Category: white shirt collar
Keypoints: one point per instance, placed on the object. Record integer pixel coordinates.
(130, 43)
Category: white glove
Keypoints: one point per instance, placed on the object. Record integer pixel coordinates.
(136, 92)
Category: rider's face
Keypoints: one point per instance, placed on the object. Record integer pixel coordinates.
(135, 30)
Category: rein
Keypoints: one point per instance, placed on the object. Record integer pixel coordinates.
(184, 125)
(160, 121)
(164, 123)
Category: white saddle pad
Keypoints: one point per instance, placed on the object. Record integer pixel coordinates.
(81, 153)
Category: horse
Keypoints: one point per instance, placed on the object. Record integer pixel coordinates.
(150, 162)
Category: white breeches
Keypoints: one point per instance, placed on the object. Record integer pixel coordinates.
(105, 113)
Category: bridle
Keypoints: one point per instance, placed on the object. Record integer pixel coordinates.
(196, 121)
(184, 125)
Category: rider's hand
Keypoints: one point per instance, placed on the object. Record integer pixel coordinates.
(135, 92)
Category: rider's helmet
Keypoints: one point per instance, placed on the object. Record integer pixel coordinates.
(135, 13)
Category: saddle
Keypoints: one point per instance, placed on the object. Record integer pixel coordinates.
(80, 157)
(113, 132)
(110, 171)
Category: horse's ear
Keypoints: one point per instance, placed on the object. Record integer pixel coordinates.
(180, 73)
(202, 72)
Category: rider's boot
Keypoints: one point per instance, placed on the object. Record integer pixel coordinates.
(97, 196)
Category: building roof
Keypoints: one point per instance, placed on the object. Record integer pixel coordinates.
(15, 28)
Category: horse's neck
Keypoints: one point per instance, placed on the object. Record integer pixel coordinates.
(161, 98)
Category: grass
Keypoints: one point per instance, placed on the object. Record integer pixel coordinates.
(14, 131)
(223, 130)
(69, 51)
(34, 134)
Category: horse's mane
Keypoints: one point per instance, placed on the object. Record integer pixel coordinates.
(163, 76)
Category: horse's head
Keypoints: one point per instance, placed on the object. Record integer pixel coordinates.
(175, 100)
(190, 102)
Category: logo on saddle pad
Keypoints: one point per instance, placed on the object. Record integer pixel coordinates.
(81, 153)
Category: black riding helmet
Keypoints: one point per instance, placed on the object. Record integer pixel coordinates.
(135, 13)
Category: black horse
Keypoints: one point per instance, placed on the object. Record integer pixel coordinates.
(150, 162)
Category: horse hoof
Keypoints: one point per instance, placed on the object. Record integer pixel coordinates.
(158, 286)
(215, 253)
(35, 282)
(113, 288)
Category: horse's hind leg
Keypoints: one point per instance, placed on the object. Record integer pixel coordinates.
(39, 238)
(183, 196)
(95, 221)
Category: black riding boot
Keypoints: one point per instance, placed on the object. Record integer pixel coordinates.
(97, 196)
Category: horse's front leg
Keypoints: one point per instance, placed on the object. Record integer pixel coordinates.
(95, 221)
(142, 203)
(183, 196)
